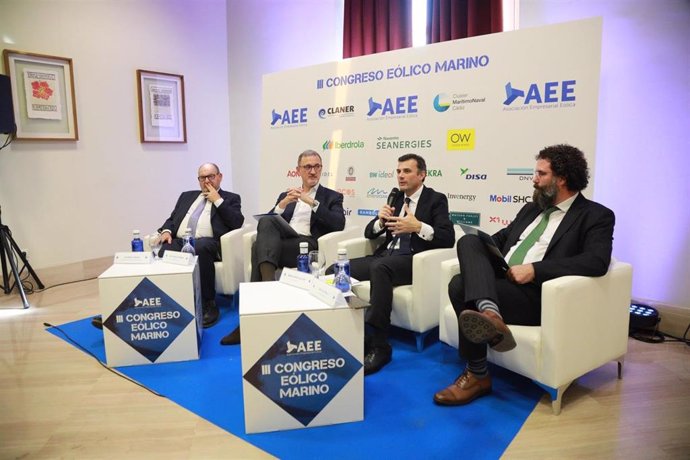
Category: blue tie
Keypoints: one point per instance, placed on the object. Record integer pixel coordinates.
(194, 218)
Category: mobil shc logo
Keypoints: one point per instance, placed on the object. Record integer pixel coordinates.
(460, 139)
(393, 107)
(519, 199)
(289, 117)
(557, 93)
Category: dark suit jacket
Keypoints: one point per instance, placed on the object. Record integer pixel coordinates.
(432, 209)
(581, 245)
(329, 217)
(228, 216)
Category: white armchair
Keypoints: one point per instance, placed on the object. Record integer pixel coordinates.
(230, 270)
(584, 325)
(414, 305)
(328, 244)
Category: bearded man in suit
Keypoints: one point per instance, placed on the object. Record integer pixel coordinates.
(559, 233)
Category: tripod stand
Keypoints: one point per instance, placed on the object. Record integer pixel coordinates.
(8, 248)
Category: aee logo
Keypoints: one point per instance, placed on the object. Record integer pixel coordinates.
(289, 116)
(552, 91)
(393, 106)
(460, 139)
(309, 346)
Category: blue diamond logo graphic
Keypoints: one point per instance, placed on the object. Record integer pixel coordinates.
(303, 370)
(148, 320)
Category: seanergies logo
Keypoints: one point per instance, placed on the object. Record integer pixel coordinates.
(398, 107)
(330, 144)
(458, 101)
(395, 142)
(289, 117)
(553, 94)
(510, 199)
(460, 139)
(340, 111)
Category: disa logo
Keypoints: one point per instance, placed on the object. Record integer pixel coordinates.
(393, 106)
(460, 139)
(289, 117)
(552, 92)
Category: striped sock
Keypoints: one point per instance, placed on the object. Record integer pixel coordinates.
(488, 304)
(478, 368)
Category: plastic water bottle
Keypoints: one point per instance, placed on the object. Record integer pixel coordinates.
(342, 271)
(137, 243)
(303, 258)
(187, 245)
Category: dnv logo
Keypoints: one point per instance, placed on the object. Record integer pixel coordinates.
(289, 117)
(402, 105)
(441, 102)
(552, 92)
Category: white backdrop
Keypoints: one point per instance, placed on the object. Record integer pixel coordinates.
(451, 103)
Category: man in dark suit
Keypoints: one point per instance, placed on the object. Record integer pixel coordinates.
(209, 214)
(310, 211)
(559, 233)
(417, 221)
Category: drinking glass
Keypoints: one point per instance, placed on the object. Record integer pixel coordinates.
(317, 263)
(155, 243)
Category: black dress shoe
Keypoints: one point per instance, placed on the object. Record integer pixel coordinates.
(211, 314)
(377, 357)
(97, 322)
(232, 338)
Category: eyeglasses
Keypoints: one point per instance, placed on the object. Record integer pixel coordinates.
(209, 177)
(315, 167)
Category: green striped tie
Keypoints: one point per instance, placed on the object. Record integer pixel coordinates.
(519, 255)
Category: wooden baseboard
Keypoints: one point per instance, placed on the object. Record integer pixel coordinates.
(674, 319)
(77, 271)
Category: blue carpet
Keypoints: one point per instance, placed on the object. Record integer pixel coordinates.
(400, 419)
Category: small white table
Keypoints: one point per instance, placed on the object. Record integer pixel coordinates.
(151, 313)
(301, 359)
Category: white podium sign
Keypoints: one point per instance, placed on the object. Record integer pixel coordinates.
(301, 359)
(151, 313)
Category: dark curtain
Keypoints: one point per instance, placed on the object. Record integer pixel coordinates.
(373, 26)
(453, 19)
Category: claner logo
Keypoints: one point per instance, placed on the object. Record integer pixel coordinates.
(460, 139)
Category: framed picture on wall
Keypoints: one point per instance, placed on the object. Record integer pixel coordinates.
(161, 107)
(43, 96)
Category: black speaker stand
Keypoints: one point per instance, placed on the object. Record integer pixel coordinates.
(9, 248)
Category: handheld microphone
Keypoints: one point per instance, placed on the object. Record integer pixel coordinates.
(392, 196)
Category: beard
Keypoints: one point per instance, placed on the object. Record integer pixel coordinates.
(546, 195)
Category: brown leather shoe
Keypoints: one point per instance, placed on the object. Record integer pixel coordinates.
(465, 389)
(486, 327)
(232, 338)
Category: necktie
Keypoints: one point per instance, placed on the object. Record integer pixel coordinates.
(404, 238)
(194, 218)
(519, 255)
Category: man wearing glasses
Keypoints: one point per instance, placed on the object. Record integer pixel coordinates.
(311, 211)
(209, 214)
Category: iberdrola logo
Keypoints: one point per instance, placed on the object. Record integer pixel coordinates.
(330, 144)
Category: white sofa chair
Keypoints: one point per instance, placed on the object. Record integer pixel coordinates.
(415, 306)
(328, 244)
(230, 270)
(584, 325)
